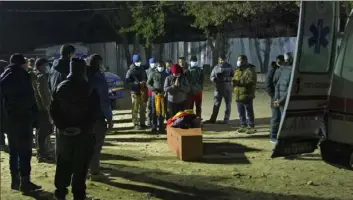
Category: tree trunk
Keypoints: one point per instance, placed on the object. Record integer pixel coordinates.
(136, 46)
(267, 52)
(126, 49)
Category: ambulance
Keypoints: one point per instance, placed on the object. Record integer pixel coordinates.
(320, 96)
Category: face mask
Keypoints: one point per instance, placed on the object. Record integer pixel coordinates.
(137, 64)
(160, 69)
(153, 65)
(193, 64)
(238, 63)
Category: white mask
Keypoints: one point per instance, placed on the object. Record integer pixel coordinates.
(153, 65)
(238, 63)
(160, 69)
(193, 64)
(137, 64)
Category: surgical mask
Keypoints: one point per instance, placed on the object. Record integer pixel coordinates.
(193, 64)
(238, 63)
(137, 64)
(160, 69)
(153, 65)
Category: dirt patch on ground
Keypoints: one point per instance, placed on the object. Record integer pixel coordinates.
(235, 166)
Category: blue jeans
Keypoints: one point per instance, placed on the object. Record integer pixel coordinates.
(246, 113)
(275, 122)
(157, 121)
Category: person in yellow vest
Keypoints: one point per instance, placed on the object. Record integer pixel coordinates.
(244, 83)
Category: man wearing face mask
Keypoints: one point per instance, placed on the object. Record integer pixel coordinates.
(136, 77)
(43, 99)
(153, 64)
(221, 76)
(155, 83)
(271, 82)
(177, 86)
(244, 82)
(195, 77)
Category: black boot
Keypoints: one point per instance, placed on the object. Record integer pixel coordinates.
(27, 185)
(15, 182)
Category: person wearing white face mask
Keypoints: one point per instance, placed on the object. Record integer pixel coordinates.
(196, 79)
(136, 76)
(153, 64)
(155, 83)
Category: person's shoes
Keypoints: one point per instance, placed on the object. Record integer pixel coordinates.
(27, 186)
(251, 130)
(137, 127)
(242, 129)
(209, 122)
(154, 130)
(15, 182)
(273, 141)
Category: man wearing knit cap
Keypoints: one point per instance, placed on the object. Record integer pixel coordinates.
(21, 108)
(136, 77)
(75, 109)
(149, 71)
(177, 86)
(221, 76)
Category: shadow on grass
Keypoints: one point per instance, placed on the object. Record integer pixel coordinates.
(226, 153)
(141, 140)
(40, 195)
(184, 186)
(105, 156)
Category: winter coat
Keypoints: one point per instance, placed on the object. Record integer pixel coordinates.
(221, 76)
(97, 81)
(41, 90)
(17, 94)
(196, 78)
(282, 86)
(59, 72)
(271, 81)
(134, 76)
(244, 82)
(155, 81)
(179, 93)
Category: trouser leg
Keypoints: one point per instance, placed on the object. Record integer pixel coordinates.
(250, 113)
(13, 154)
(275, 122)
(149, 110)
(99, 132)
(216, 105)
(241, 112)
(142, 112)
(198, 102)
(135, 108)
(228, 102)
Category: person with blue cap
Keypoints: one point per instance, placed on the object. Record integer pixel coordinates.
(153, 63)
(74, 109)
(136, 77)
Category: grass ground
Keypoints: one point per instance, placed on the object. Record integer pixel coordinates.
(235, 166)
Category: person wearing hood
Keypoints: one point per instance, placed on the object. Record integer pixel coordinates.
(155, 83)
(271, 82)
(61, 67)
(153, 64)
(177, 86)
(75, 109)
(104, 122)
(43, 98)
(21, 111)
(136, 77)
(196, 78)
(244, 82)
(221, 76)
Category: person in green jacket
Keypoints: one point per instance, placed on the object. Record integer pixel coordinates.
(244, 83)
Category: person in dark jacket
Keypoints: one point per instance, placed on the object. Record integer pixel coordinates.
(150, 70)
(155, 83)
(222, 75)
(136, 77)
(75, 108)
(43, 99)
(3, 146)
(104, 122)
(196, 78)
(21, 111)
(244, 82)
(61, 67)
(177, 86)
(282, 86)
(271, 82)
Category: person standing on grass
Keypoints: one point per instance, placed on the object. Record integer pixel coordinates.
(75, 109)
(244, 82)
(177, 86)
(104, 122)
(21, 111)
(149, 71)
(196, 78)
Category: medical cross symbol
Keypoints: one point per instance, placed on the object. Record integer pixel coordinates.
(318, 38)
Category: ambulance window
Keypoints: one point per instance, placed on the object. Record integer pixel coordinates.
(347, 66)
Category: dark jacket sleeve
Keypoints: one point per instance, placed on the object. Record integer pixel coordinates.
(269, 86)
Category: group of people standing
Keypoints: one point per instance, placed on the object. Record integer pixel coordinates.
(73, 96)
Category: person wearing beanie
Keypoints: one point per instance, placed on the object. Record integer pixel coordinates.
(153, 64)
(21, 108)
(74, 109)
(196, 78)
(136, 77)
(61, 66)
(104, 123)
(244, 83)
(177, 86)
(271, 82)
(221, 76)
